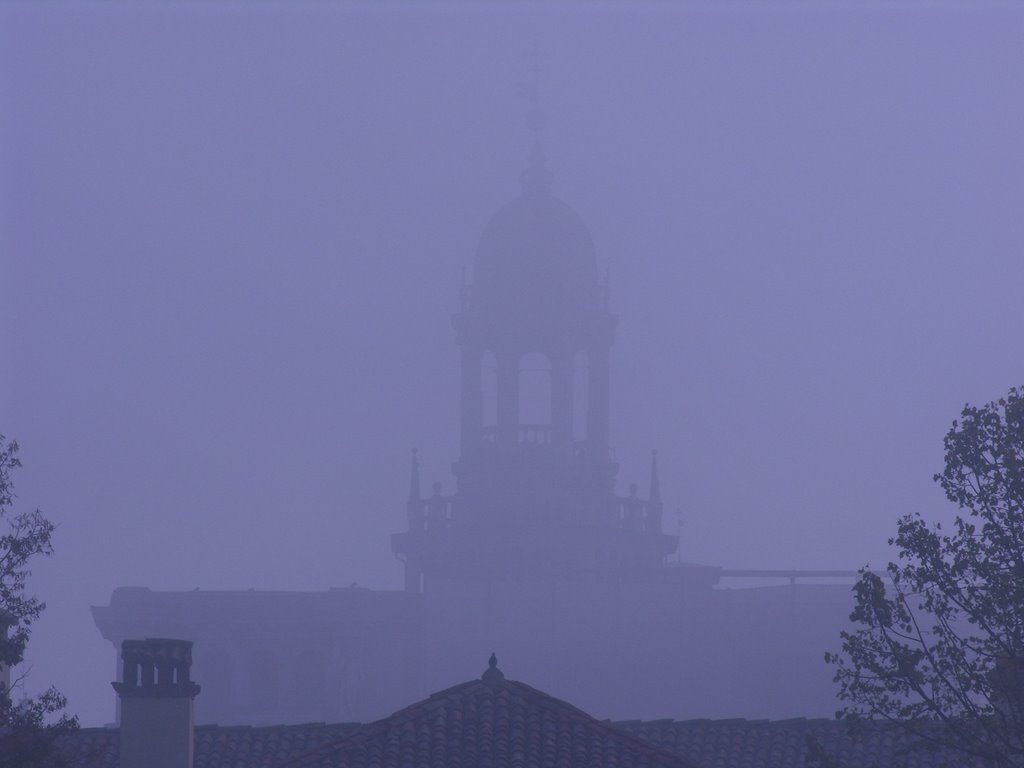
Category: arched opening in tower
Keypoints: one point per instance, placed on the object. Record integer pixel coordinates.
(534, 390)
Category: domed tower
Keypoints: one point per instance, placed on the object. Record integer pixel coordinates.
(536, 483)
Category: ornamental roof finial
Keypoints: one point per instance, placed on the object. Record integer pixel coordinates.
(492, 674)
(655, 489)
(414, 479)
(536, 179)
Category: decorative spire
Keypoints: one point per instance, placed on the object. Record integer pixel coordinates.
(655, 494)
(414, 480)
(492, 674)
(530, 90)
(536, 179)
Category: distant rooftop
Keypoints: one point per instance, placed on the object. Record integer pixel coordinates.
(502, 723)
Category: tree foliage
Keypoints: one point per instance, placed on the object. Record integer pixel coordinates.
(29, 727)
(940, 648)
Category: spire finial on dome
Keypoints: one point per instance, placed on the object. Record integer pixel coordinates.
(530, 90)
(536, 179)
(655, 488)
(492, 674)
(414, 479)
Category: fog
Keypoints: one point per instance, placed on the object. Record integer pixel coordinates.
(232, 238)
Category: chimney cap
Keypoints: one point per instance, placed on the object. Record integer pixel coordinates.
(159, 645)
(157, 667)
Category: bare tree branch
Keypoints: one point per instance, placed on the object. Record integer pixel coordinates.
(941, 652)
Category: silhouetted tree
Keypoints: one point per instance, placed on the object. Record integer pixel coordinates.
(940, 650)
(29, 727)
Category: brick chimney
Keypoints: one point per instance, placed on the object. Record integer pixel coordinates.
(156, 704)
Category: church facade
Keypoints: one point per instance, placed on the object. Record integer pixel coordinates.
(534, 554)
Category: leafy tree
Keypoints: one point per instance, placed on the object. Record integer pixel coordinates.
(28, 732)
(940, 649)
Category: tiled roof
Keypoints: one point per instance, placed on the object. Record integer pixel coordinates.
(785, 744)
(215, 746)
(490, 723)
(702, 743)
(499, 723)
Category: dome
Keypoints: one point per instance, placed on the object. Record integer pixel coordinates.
(536, 253)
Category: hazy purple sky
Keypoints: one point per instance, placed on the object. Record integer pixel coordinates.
(231, 238)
